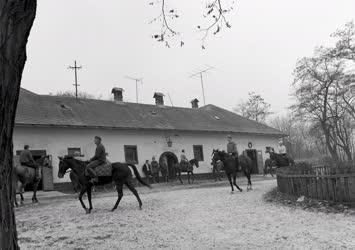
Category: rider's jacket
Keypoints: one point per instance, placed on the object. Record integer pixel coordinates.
(183, 157)
(26, 156)
(281, 149)
(232, 148)
(100, 153)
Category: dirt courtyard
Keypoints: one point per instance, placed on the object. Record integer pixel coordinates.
(206, 218)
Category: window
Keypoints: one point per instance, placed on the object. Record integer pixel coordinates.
(71, 151)
(198, 152)
(130, 153)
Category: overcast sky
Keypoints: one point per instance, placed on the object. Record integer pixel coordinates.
(112, 39)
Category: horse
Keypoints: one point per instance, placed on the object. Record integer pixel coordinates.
(217, 168)
(279, 159)
(246, 166)
(268, 167)
(121, 175)
(24, 175)
(230, 166)
(188, 168)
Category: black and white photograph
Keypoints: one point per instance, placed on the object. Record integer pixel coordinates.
(177, 125)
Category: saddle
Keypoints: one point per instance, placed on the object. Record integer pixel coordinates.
(102, 170)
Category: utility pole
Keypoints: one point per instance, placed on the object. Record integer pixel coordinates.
(75, 68)
(200, 73)
(137, 80)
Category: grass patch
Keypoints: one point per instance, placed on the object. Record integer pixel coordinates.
(308, 204)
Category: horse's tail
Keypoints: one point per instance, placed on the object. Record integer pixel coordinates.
(138, 176)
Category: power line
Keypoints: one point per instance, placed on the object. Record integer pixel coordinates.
(136, 80)
(75, 68)
(200, 73)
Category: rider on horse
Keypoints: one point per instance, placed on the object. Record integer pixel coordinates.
(26, 159)
(98, 159)
(183, 158)
(185, 162)
(232, 149)
(281, 148)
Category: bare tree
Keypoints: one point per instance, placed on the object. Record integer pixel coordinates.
(321, 83)
(255, 108)
(16, 19)
(216, 11)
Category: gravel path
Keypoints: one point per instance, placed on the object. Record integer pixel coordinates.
(206, 218)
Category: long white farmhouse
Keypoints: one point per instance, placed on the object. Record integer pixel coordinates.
(132, 132)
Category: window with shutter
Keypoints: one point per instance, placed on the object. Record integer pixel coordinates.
(71, 151)
(131, 154)
(198, 152)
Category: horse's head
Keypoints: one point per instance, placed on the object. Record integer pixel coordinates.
(216, 156)
(196, 162)
(64, 165)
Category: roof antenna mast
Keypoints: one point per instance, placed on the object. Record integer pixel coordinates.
(75, 68)
(200, 74)
(137, 80)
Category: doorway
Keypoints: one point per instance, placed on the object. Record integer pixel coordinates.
(253, 155)
(171, 159)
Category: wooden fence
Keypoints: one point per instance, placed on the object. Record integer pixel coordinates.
(320, 182)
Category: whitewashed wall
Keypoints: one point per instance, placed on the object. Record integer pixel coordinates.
(149, 143)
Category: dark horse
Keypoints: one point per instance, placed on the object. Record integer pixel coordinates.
(280, 160)
(246, 165)
(24, 175)
(121, 174)
(188, 168)
(230, 165)
(269, 167)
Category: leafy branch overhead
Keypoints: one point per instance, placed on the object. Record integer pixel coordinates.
(215, 14)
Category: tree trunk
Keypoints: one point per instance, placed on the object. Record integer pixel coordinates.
(16, 19)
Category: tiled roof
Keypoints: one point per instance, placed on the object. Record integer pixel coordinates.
(44, 110)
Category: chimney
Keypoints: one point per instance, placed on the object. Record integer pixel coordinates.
(194, 103)
(159, 98)
(117, 94)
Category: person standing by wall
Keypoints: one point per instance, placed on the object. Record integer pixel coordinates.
(146, 168)
(155, 170)
(164, 169)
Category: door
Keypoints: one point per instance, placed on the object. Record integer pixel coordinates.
(260, 161)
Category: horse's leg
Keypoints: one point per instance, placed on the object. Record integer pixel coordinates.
(82, 192)
(235, 182)
(20, 188)
(230, 181)
(249, 180)
(193, 177)
(119, 187)
(35, 187)
(188, 176)
(179, 176)
(89, 198)
(134, 191)
(15, 199)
